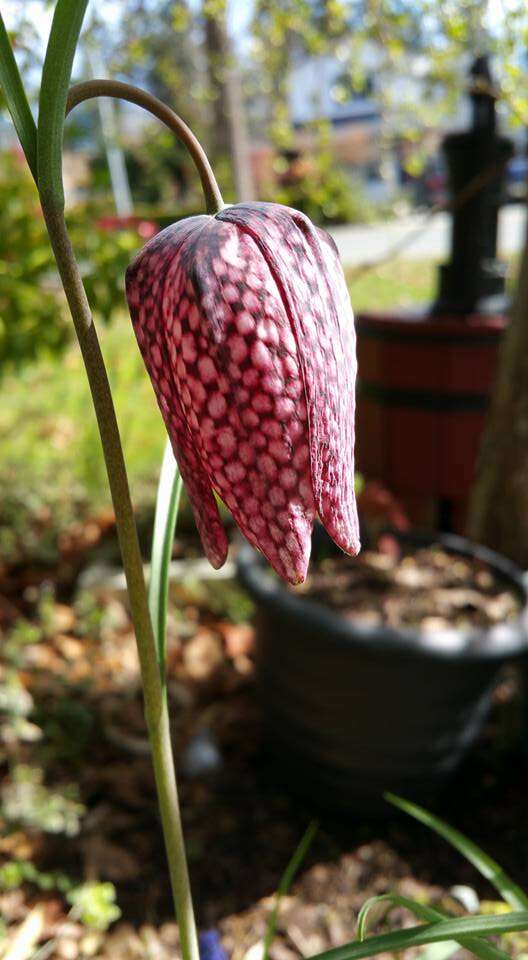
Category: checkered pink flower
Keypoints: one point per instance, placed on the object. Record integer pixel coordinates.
(246, 329)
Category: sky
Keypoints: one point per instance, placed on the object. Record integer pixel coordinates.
(40, 15)
(239, 14)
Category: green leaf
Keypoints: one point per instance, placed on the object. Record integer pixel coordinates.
(56, 75)
(429, 933)
(481, 948)
(286, 882)
(17, 102)
(509, 891)
(94, 904)
(167, 504)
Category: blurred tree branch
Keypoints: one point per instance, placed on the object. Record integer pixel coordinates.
(499, 508)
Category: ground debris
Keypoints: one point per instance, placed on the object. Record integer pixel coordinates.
(75, 666)
(425, 588)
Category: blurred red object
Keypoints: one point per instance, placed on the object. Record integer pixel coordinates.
(18, 154)
(379, 505)
(145, 228)
(379, 508)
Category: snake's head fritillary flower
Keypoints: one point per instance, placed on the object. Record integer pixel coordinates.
(245, 325)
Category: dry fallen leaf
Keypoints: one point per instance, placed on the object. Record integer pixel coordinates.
(25, 938)
(202, 655)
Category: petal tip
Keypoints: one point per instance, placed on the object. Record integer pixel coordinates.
(352, 549)
(215, 544)
(217, 560)
(295, 571)
(296, 579)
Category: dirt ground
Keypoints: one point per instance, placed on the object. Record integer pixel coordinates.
(79, 667)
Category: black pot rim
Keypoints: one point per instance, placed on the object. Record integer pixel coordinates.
(500, 642)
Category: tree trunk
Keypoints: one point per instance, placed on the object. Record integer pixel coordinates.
(498, 513)
(228, 135)
(242, 171)
(217, 66)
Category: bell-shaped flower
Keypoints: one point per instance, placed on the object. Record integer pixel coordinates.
(246, 329)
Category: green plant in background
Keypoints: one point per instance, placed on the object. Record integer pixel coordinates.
(15, 873)
(105, 256)
(16, 706)
(27, 801)
(29, 320)
(52, 473)
(162, 53)
(407, 56)
(32, 321)
(94, 904)
(513, 897)
(286, 881)
(26, 798)
(314, 183)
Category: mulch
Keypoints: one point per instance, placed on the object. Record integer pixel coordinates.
(241, 825)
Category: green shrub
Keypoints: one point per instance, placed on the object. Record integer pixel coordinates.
(94, 904)
(310, 180)
(27, 802)
(33, 321)
(326, 195)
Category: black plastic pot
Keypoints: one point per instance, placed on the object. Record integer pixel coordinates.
(353, 710)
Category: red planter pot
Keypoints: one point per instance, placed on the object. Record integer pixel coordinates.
(423, 391)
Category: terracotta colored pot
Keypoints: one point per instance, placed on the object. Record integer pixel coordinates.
(423, 391)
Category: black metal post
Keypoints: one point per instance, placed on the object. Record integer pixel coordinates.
(473, 281)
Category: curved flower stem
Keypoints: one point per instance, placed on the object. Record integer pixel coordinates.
(156, 710)
(124, 91)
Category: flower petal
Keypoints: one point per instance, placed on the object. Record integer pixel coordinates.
(306, 268)
(234, 362)
(145, 280)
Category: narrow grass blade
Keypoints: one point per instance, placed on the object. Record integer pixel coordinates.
(481, 948)
(17, 102)
(509, 891)
(167, 504)
(429, 933)
(286, 882)
(56, 72)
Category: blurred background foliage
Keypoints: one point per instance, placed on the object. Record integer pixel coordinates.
(247, 77)
(267, 86)
(237, 72)
(33, 321)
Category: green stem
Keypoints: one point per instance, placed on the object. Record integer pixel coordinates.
(124, 91)
(156, 710)
(65, 30)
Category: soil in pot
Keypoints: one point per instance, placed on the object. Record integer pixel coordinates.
(427, 589)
